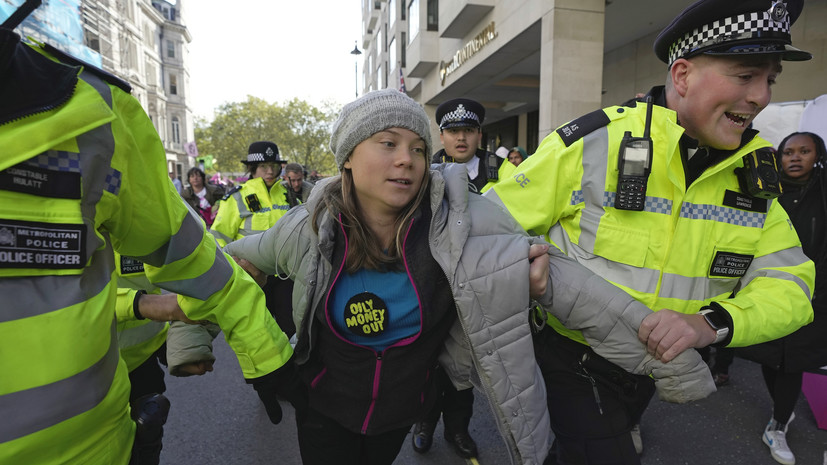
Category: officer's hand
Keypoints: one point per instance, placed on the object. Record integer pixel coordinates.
(197, 368)
(667, 333)
(538, 269)
(162, 307)
(259, 277)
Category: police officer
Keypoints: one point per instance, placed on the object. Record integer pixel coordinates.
(249, 208)
(83, 172)
(460, 122)
(648, 197)
(256, 205)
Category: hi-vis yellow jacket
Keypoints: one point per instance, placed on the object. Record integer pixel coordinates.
(137, 339)
(690, 246)
(82, 172)
(238, 216)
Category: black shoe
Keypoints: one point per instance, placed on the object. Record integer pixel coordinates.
(463, 444)
(423, 436)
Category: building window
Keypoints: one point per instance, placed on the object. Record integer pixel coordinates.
(176, 130)
(433, 15)
(403, 10)
(379, 84)
(173, 84)
(403, 45)
(391, 13)
(392, 52)
(379, 41)
(413, 19)
(170, 49)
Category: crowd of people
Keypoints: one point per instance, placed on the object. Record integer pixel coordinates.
(567, 286)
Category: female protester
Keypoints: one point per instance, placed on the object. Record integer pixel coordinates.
(517, 155)
(202, 196)
(396, 266)
(784, 360)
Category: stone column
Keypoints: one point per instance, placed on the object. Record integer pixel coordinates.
(571, 61)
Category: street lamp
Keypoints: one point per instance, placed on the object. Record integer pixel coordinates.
(356, 52)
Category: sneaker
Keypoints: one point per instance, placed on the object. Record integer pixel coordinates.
(636, 439)
(776, 439)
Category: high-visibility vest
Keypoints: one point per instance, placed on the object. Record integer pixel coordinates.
(688, 247)
(249, 210)
(80, 175)
(137, 339)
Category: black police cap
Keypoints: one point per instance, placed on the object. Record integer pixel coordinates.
(460, 113)
(263, 152)
(733, 28)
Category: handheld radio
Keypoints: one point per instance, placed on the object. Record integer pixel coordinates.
(634, 163)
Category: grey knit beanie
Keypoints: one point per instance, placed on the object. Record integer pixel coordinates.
(373, 112)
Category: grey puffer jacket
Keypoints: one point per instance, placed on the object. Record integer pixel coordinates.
(484, 254)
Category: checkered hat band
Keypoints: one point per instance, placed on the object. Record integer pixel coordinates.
(255, 157)
(459, 115)
(743, 26)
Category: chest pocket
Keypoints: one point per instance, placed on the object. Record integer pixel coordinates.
(42, 231)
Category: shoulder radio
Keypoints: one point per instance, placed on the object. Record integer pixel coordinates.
(634, 163)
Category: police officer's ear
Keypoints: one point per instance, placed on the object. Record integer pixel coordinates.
(347, 165)
(679, 73)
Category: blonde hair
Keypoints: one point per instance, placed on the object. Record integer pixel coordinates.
(364, 251)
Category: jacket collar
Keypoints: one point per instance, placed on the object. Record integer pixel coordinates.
(30, 82)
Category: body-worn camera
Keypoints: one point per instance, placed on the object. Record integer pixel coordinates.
(759, 177)
(253, 202)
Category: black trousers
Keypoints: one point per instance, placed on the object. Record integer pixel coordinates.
(455, 406)
(322, 441)
(587, 432)
(148, 377)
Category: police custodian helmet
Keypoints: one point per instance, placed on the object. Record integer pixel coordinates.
(460, 113)
(262, 152)
(732, 28)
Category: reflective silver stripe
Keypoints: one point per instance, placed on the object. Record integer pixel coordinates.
(38, 295)
(249, 232)
(640, 279)
(181, 245)
(219, 235)
(695, 288)
(203, 286)
(137, 335)
(595, 154)
(32, 410)
(721, 214)
(763, 267)
(99, 85)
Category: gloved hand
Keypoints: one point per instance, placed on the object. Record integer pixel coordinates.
(282, 382)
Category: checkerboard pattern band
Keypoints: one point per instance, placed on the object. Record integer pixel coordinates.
(728, 29)
(461, 114)
(255, 157)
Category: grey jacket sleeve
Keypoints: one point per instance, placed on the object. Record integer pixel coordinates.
(189, 344)
(274, 251)
(609, 320)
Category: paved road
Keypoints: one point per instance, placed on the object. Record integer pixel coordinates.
(218, 419)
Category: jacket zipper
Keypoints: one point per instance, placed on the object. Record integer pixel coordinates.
(42, 109)
(374, 392)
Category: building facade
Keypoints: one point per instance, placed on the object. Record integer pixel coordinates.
(146, 43)
(537, 64)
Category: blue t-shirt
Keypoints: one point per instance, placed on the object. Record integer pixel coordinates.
(375, 309)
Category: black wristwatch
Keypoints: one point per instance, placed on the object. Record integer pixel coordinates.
(717, 322)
